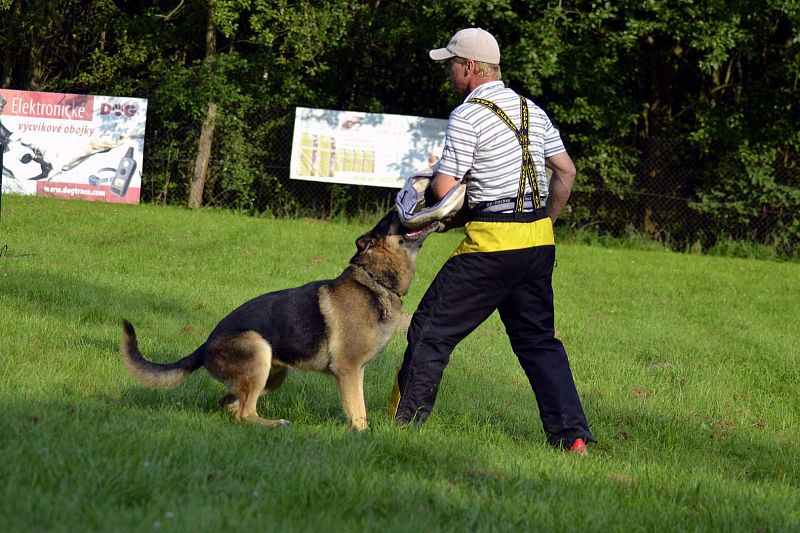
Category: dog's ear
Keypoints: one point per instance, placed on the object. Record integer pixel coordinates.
(364, 242)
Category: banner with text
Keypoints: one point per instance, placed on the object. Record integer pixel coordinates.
(72, 146)
(363, 148)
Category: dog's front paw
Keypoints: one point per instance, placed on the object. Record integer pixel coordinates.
(359, 425)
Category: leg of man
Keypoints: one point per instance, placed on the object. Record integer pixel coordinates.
(464, 293)
(529, 319)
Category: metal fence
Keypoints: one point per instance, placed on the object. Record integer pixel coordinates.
(664, 202)
(660, 202)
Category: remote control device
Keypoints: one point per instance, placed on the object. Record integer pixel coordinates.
(125, 169)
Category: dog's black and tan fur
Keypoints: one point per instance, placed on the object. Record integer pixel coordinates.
(334, 326)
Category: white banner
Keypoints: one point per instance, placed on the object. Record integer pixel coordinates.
(363, 148)
(72, 146)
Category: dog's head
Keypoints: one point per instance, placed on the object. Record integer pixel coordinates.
(389, 251)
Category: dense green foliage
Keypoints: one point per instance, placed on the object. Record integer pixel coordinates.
(656, 98)
(690, 389)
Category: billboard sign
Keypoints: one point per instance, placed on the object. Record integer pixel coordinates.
(375, 149)
(75, 146)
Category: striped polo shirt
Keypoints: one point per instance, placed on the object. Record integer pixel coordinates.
(477, 140)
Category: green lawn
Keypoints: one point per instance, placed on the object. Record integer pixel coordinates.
(689, 368)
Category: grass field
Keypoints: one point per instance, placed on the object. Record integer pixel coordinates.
(689, 368)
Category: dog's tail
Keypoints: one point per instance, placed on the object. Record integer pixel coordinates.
(156, 375)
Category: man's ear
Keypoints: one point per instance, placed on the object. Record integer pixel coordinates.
(364, 242)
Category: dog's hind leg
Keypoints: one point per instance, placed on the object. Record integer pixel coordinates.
(277, 375)
(351, 390)
(243, 364)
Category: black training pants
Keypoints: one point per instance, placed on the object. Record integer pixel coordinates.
(468, 288)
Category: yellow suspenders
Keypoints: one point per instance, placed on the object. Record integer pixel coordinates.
(528, 168)
(487, 236)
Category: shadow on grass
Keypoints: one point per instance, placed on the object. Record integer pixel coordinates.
(127, 466)
(75, 298)
(444, 475)
(671, 441)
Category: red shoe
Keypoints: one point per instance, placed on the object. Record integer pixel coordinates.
(579, 447)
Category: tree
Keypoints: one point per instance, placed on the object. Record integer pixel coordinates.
(209, 122)
(637, 89)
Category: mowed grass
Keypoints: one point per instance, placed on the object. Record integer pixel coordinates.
(688, 367)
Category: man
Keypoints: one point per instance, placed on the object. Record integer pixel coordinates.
(499, 144)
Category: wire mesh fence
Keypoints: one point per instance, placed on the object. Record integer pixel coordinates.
(661, 201)
(673, 198)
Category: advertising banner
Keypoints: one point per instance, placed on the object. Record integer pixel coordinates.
(363, 148)
(75, 146)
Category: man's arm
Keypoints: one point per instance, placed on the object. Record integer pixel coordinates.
(560, 184)
(442, 183)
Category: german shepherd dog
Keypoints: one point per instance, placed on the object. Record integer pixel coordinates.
(333, 326)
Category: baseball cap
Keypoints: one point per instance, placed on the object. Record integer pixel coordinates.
(470, 43)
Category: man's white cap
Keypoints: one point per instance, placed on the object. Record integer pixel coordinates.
(470, 43)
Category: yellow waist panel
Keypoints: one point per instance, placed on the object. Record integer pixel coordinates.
(504, 236)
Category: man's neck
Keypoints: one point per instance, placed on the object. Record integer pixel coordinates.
(474, 84)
